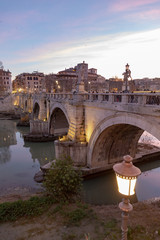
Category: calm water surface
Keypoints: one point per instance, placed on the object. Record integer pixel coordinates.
(19, 161)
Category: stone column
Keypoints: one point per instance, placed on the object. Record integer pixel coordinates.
(76, 130)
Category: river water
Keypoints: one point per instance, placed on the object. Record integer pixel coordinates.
(19, 161)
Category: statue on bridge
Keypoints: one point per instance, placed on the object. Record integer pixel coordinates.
(127, 75)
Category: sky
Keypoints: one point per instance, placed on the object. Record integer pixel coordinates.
(51, 35)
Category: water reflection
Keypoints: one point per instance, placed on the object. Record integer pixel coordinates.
(5, 155)
(8, 133)
(44, 152)
(20, 160)
(7, 138)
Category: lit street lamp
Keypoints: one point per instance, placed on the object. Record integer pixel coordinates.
(126, 175)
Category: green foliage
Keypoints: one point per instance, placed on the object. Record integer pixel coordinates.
(111, 229)
(111, 224)
(62, 181)
(74, 217)
(138, 231)
(11, 211)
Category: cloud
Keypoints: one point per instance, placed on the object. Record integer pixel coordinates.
(108, 54)
(152, 14)
(124, 5)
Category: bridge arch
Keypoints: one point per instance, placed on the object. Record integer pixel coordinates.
(36, 110)
(58, 121)
(116, 136)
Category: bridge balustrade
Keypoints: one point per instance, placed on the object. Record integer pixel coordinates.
(95, 97)
(117, 98)
(70, 96)
(153, 100)
(123, 98)
(132, 99)
(105, 97)
(86, 97)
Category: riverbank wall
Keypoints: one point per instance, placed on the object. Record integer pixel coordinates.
(6, 104)
(7, 108)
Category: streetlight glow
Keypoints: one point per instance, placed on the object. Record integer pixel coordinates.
(126, 175)
(126, 186)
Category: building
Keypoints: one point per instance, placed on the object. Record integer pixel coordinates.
(5, 81)
(116, 85)
(29, 82)
(147, 84)
(66, 80)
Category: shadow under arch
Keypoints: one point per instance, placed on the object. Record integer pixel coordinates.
(59, 123)
(117, 136)
(36, 110)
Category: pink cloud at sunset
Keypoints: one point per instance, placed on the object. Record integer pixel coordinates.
(151, 14)
(124, 5)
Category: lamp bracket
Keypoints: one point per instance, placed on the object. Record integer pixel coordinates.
(125, 205)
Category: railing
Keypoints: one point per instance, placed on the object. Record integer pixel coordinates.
(122, 98)
(132, 99)
(110, 98)
(117, 98)
(153, 100)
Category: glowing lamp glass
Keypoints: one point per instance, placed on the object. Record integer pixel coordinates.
(126, 185)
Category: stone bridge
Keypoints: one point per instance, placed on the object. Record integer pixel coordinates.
(100, 128)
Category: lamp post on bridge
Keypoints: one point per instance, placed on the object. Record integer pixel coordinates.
(126, 175)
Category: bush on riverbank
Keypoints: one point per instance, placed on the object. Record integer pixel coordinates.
(62, 181)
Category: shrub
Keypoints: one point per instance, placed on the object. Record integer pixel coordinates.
(62, 181)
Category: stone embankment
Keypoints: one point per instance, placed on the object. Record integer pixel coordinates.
(7, 108)
(39, 138)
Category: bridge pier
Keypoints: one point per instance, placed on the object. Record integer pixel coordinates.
(38, 127)
(43, 108)
(76, 150)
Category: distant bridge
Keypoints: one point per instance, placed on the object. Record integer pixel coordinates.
(100, 128)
